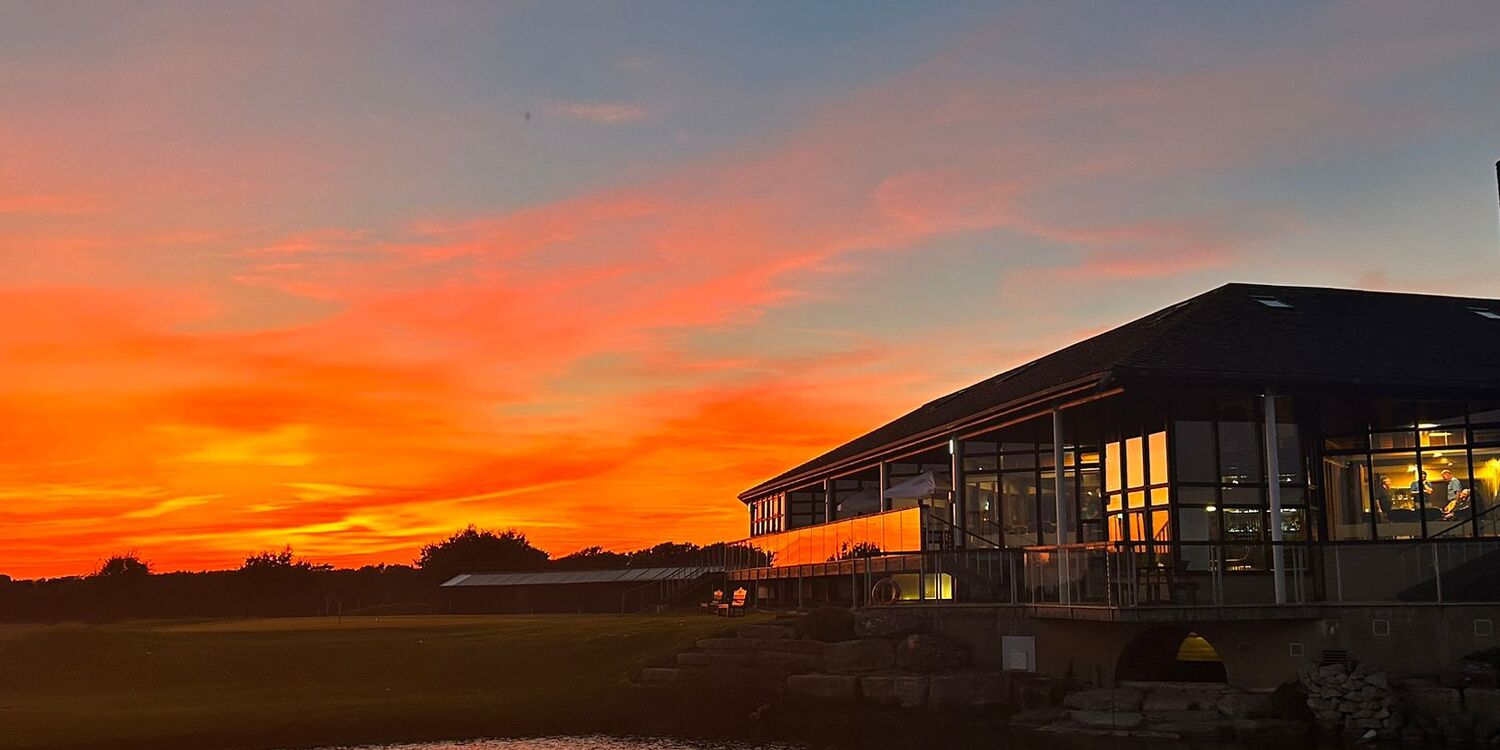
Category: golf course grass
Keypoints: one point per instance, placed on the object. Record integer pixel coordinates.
(300, 682)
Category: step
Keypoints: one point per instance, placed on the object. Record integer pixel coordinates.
(693, 659)
(767, 631)
(784, 645)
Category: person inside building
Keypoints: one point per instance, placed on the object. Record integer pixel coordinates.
(1383, 498)
(1420, 484)
(1456, 496)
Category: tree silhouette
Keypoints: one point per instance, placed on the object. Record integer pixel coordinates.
(128, 564)
(474, 550)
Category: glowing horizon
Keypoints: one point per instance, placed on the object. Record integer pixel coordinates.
(351, 277)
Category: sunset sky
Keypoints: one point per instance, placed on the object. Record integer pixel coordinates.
(351, 276)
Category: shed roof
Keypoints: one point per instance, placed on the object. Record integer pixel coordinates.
(560, 577)
(1248, 333)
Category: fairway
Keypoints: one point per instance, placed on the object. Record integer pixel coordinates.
(299, 682)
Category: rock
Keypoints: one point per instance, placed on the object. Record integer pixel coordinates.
(660, 675)
(1246, 705)
(929, 653)
(761, 644)
(1107, 719)
(1246, 729)
(865, 655)
(1178, 700)
(1431, 701)
(886, 622)
(766, 631)
(1206, 729)
(1031, 718)
(1379, 681)
(823, 688)
(828, 624)
(1483, 703)
(692, 659)
(1105, 699)
(1036, 691)
(904, 691)
(968, 692)
(789, 662)
(1479, 674)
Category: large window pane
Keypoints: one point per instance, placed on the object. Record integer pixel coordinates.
(1112, 467)
(1399, 496)
(1239, 449)
(1135, 468)
(1197, 524)
(1018, 493)
(1486, 490)
(1194, 448)
(1156, 448)
(1451, 500)
(1346, 494)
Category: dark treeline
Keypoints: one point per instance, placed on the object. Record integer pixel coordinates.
(281, 584)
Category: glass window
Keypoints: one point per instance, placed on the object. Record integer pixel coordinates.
(1019, 497)
(1112, 467)
(1089, 504)
(1018, 461)
(1239, 450)
(1243, 496)
(1486, 490)
(1344, 443)
(1137, 499)
(1197, 496)
(1399, 495)
(1135, 468)
(1197, 524)
(1159, 496)
(1451, 504)
(1156, 447)
(1289, 454)
(1194, 448)
(1443, 436)
(1346, 488)
(1391, 440)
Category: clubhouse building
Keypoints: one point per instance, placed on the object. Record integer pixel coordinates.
(1292, 474)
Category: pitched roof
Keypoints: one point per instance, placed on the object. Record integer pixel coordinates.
(556, 577)
(1308, 335)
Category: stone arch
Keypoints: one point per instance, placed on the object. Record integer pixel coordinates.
(1170, 653)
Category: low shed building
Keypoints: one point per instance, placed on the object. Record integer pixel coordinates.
(623, 590)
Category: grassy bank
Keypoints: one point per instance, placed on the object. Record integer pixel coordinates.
(303, 682)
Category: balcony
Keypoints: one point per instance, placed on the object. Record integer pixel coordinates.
(916, 556)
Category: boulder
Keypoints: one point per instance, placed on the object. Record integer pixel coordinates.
(692, 659)
(789, 662)
(1241, 705)
(1483, 703)
(1105, 699)
(828, 624)
(1206, 729)
(929, 653)
(968, 692)
(901, 690)
(1107, 719)
(886, 622)
(1036, 691)
(1179, 700)
(864, 655)
(1248, 729)
(823, 688)
(1479, 674)
(1431, 701)
(1031, 718)
(766, 631)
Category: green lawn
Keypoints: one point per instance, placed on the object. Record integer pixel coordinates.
(303, 681)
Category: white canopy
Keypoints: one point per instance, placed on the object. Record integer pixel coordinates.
(922, 486)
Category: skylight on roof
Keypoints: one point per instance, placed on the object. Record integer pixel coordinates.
(1270, 301)
(1485, 312)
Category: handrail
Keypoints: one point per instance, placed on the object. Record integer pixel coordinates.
(964, 531)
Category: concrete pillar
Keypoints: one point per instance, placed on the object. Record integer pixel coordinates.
(956, 471)
(1273, 488)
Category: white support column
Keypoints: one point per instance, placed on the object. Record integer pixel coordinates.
(1060, 499)
(956, 474)
(1273, 488)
